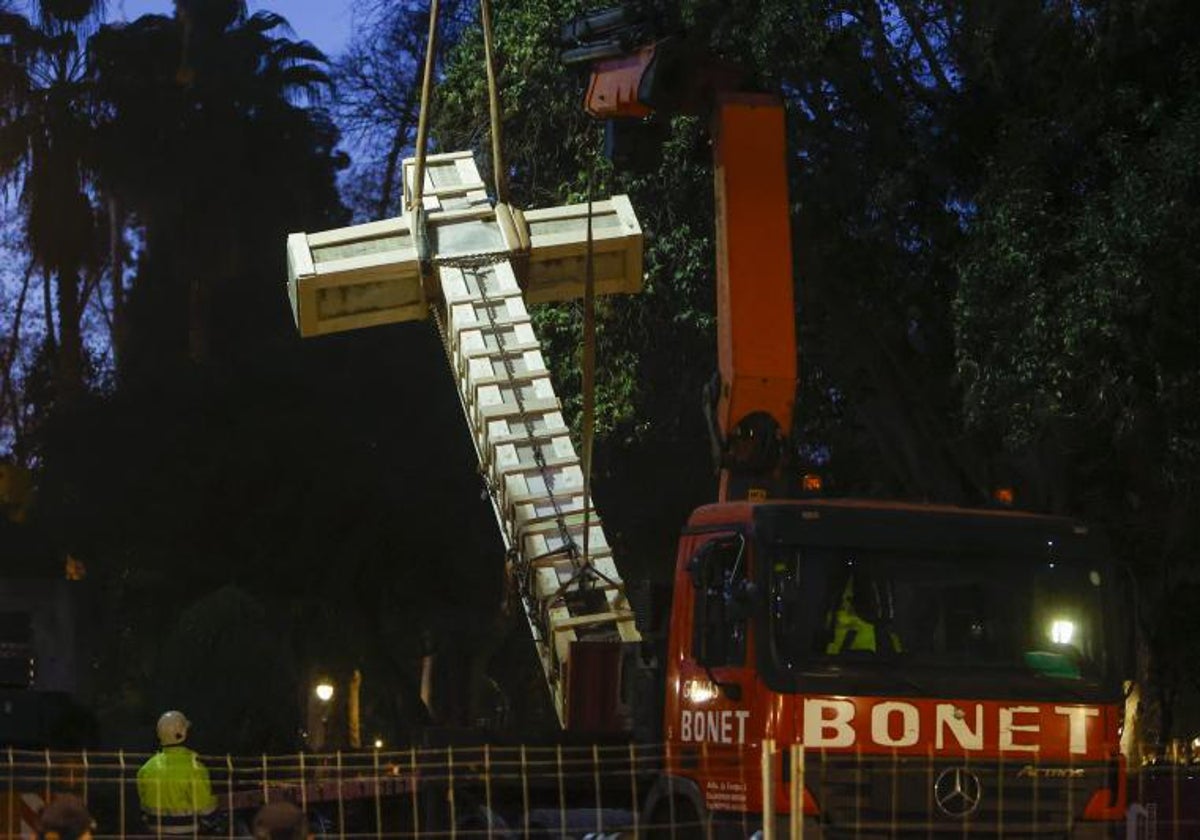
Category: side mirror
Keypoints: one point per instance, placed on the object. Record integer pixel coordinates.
(707, 566)
(740, 601)
(707, 615)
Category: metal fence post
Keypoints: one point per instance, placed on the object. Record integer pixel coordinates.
(768, 789)
(796, 792)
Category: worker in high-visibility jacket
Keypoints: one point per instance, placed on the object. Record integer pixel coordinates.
(853, 632)
(173, 786)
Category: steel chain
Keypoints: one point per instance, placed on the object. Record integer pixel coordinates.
(523, 568)
(472, 262)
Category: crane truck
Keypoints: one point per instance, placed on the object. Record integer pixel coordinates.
(944, 670)
(907, 668)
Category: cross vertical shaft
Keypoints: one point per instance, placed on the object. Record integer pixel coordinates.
(368, 274)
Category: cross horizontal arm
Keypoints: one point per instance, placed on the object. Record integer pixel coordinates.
(369, 274)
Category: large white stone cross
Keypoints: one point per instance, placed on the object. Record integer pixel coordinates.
(369, 274)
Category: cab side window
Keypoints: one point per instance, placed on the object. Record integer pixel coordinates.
(721, 595)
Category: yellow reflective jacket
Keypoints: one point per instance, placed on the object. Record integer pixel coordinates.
(174, 783)
(851, 631)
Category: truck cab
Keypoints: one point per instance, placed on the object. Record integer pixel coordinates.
(944, 670)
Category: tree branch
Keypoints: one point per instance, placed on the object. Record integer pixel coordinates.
(917, 29)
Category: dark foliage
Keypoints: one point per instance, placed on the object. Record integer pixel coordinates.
(994, 220)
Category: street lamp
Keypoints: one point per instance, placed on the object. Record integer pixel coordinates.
(319, 708)
(1062, 631)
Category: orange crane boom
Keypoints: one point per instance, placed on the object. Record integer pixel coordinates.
(756, 313)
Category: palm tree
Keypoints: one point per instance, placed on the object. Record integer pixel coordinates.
(47, 121)
(211, 141)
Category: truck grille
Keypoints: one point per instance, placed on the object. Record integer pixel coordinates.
(884, 797)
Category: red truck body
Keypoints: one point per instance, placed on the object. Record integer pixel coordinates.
(922, 738)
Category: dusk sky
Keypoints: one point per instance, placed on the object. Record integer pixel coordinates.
(324, 22)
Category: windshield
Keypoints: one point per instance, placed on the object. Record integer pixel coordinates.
(935, 612)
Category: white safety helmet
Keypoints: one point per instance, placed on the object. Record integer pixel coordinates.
(172, 728)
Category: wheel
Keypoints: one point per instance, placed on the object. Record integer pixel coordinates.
(480, 821)
(675, 818)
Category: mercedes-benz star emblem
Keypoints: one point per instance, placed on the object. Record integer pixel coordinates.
(957, 792)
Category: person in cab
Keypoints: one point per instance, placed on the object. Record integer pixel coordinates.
(862, 618)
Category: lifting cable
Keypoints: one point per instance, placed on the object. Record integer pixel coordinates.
(587, 364)
(495, 126)
(474, 263)
(415, 205)
(489, 59)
